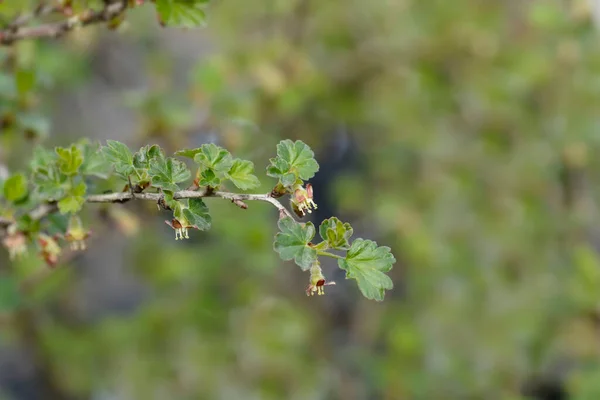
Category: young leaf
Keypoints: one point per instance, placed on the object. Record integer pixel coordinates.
(93, 162)
(167, 173)
(294, 160)
(69, 160)
(15, 187)
(241, 174)
(120, 157)
(292, 242)
(336, 233)
(214, 157)
(74, 201)
(49, 183)
(366, 263)
(145, 155)
(197, 214)
(184, 13)
(42, 158)
(208, 178)
(70, 204)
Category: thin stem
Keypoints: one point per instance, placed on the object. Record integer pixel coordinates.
(327, 254)
(120, 197)
(17, 32)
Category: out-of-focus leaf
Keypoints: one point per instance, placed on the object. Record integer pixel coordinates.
(93, 162)
(69, 160)
(15, 187)
(184, 13)
(74, 201)
(25, 80)
(49, 183)
(42, 157)
(292, 242)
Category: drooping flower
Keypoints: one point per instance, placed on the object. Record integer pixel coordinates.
(302, 199)
(50, 250)
(15, 242)
(317, 281)
(181, 227)
(76, 234)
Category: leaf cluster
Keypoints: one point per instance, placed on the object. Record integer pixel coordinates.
(64, 175)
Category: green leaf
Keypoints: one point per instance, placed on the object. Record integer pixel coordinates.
(167, 173)
(49, 183)
(214, 157)
(10, 295)
(184, 13)
(15, 187)
(197, 214)
(278, 167)
(145, 155)
(241, 174)
(292, 242)
(366, 263)
(42, 158)
(189, 153)
(294, 160)
(336, 233)
(74, 201)
(119, 155)
(208, 178)
(93, 162)
(69, 160)
(71, 204)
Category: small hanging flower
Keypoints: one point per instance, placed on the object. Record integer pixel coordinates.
(50, 249)
(302, 200)
(181, 227)
(317, 281)
(15, 242)
(76, 234)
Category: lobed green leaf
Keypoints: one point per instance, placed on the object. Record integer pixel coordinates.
(366, 263)
(293, 242)
(197, 214)
(295, 160)
(119, 155)
(211, 156)
(94, 164)
(336, 233)
(166, 173)
(209, 178)
(69, 160)
(241, 174)
(74, 201)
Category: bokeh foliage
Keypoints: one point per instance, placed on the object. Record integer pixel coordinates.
(476, 124)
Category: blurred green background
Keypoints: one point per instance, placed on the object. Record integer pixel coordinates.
(460, 133)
